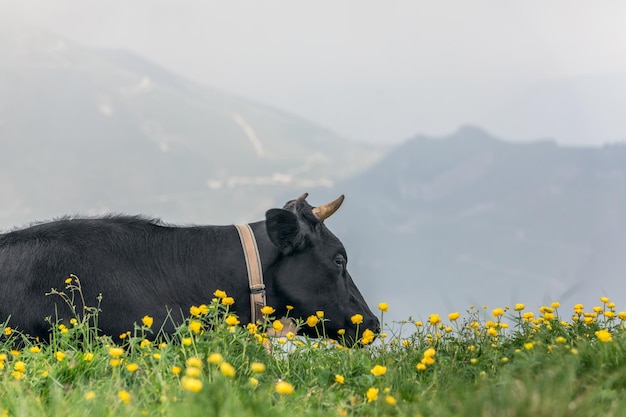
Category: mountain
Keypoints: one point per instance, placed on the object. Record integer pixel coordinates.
(440, 224)
(85, 130)
(431, 226)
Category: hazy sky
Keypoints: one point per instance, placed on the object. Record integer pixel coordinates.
(382, 71)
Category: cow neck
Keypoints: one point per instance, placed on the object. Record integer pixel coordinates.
(255, 270)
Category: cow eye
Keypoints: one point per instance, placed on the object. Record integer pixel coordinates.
(340, 260)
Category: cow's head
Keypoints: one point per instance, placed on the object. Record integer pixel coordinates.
(311, 271)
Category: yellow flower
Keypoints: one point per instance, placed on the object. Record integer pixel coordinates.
(312, 321)
(35, 349)
(434, 319)
(604, 299)
(186, 341)
(290, 335)
(288, 307)
(421, 367)
(115, 362)
(193, 372)
(604, 335)
(519, 307)
(497, 312)
(277, 325)
(622, 315)
(492, 332)
(73, 321)
(68, 280)
(257, 367)
(378, 370)
(19, 366)
(7, 331)
(90, 395)
(191, 384)
(252, 328)
(145, 343)
(215, 358)
(228, 301)
(194, 311)
(227, 369)
(132, 367)
(231, 320)
(116, 352)
(560, 339)
(63, 329)
(253, 381)
(147, 321)
(356, 319)
(339, 379)
(59, 356)
(384, 307)
(391, 400)
(219, 294)
(194, 362)
(88, 356)
(195, 326)
(529, 345)
(454, 316)
(555, 304)
(430, 353)
(176, 370)
(267, 310)
(372, 394)
(367, 337)
(284, 388)
(124, 396)
(156, 356)
(418, 324)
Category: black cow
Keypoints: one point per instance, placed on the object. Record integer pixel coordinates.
(143, 267)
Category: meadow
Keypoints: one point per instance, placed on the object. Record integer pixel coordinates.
(486, 361)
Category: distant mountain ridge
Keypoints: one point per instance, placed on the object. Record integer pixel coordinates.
(468, 219)
(132, 136)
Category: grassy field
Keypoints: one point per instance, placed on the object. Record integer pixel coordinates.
(485, 362)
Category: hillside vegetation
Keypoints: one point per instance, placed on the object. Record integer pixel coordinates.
(548, 363)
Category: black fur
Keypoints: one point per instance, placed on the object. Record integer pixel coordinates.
(143, 266)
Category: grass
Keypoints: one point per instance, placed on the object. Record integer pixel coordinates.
(500, 362)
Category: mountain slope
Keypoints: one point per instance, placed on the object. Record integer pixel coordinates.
(84, 130)
(443, 223)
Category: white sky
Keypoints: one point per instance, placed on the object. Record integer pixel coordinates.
(381, 71)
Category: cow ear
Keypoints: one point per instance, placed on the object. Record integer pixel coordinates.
(284, 230)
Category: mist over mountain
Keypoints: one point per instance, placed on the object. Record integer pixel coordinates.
(432, 225)
(95, 130)
(469, 219)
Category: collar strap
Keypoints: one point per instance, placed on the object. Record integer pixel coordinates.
(255, 271)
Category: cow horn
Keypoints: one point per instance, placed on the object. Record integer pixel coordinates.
(327, 210)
